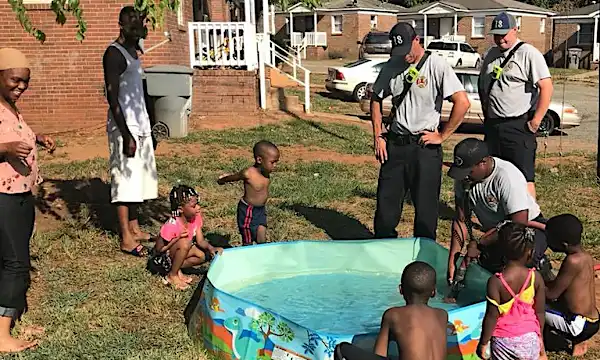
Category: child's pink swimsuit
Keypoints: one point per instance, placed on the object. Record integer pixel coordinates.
(517, 332)
(174, 227)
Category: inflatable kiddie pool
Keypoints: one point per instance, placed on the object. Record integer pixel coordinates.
(298, 300)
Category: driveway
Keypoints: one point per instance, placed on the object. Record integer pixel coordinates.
(585, 99)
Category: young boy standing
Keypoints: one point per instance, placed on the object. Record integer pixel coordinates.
(572, 313)
(251, 212)
(419, 330)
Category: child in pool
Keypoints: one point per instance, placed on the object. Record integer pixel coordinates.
(418, 329)
(251, 212)
(574, 314)
(181, 236)
(514, 316)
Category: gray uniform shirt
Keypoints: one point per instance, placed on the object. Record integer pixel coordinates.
(501, 194)
(422, 106)
(516, 92)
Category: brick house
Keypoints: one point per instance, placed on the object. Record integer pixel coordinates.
(67, 88)
(470, 20)
(577, 29)
(340, 26)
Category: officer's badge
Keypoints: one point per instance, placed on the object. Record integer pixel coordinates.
(421, 81)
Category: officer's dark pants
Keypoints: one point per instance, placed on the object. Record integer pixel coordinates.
(510, 139)
(16, 227)
(410, 166)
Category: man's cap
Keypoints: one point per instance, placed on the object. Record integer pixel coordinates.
(503, 23)
(467, 154)
(402, 36)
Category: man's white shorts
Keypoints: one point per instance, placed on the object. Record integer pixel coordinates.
(132, 180)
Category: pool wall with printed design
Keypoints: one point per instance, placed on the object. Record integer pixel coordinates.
(233, 328)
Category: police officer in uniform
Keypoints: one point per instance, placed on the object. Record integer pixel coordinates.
(409, 150)
(514, 97)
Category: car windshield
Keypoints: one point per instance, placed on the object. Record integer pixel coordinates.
(470, 82)
(356, 63)
(436, 45)
(377, 39)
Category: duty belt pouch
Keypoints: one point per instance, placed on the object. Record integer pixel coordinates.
(409, 79)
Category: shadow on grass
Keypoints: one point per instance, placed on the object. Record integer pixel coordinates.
(191, 306)
(446, 212)
(335, 224)
(88, 200)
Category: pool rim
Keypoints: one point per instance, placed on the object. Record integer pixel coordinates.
(324, 333)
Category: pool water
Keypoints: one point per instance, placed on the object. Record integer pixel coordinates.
(341, 303)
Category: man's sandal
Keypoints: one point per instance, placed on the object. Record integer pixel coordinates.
(138, 251)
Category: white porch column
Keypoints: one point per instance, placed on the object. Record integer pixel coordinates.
(247, 15)
(425, 31)
(265, 17)
(291, 24)
(315, 21)
(455, 24)
(272, 19)
(596, 48)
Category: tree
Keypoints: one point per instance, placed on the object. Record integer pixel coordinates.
(154, 13)
(268, 325)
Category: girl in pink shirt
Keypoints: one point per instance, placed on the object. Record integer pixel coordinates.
(181, 237)
(514, 317)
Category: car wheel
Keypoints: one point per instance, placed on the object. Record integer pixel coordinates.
(547, 126)
(477, 64)
(459, 63)
(360, 91)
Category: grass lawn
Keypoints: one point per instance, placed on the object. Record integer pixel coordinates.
(96, 303)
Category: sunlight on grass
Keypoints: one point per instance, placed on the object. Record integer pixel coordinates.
(349, 139)
(97, 303)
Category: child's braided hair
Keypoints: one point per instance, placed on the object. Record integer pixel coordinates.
(517, 239)
(180, 195)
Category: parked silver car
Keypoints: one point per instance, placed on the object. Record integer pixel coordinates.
(375, 43)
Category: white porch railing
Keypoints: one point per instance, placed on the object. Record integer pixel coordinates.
(270, 53)
(231, 44)
(312, 39)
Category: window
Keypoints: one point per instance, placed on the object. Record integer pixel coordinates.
(585, 35)
(478, 27)
(377, 68)
(470, 83)
(450, 46)
(542, 25)
(419, 28)
(435, 45)
(373, 21)
(465, 48)
(180, 15)
(336, 24)
(519, 23)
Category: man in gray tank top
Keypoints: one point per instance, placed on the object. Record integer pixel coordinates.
(514, 98)
(132, 164)
(410, 151)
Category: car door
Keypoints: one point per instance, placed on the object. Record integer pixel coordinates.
(471, 83)
(452, 53)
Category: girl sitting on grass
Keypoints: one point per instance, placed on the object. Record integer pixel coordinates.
(514, 316)
(181, 237)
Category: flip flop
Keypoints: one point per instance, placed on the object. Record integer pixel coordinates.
(138, 251)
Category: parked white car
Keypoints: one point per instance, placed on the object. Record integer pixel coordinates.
(559, 115)
(352, 79)
(456, 53)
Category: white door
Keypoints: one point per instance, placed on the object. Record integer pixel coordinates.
(446, 27)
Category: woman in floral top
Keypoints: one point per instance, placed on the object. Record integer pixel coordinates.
(18, 177)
